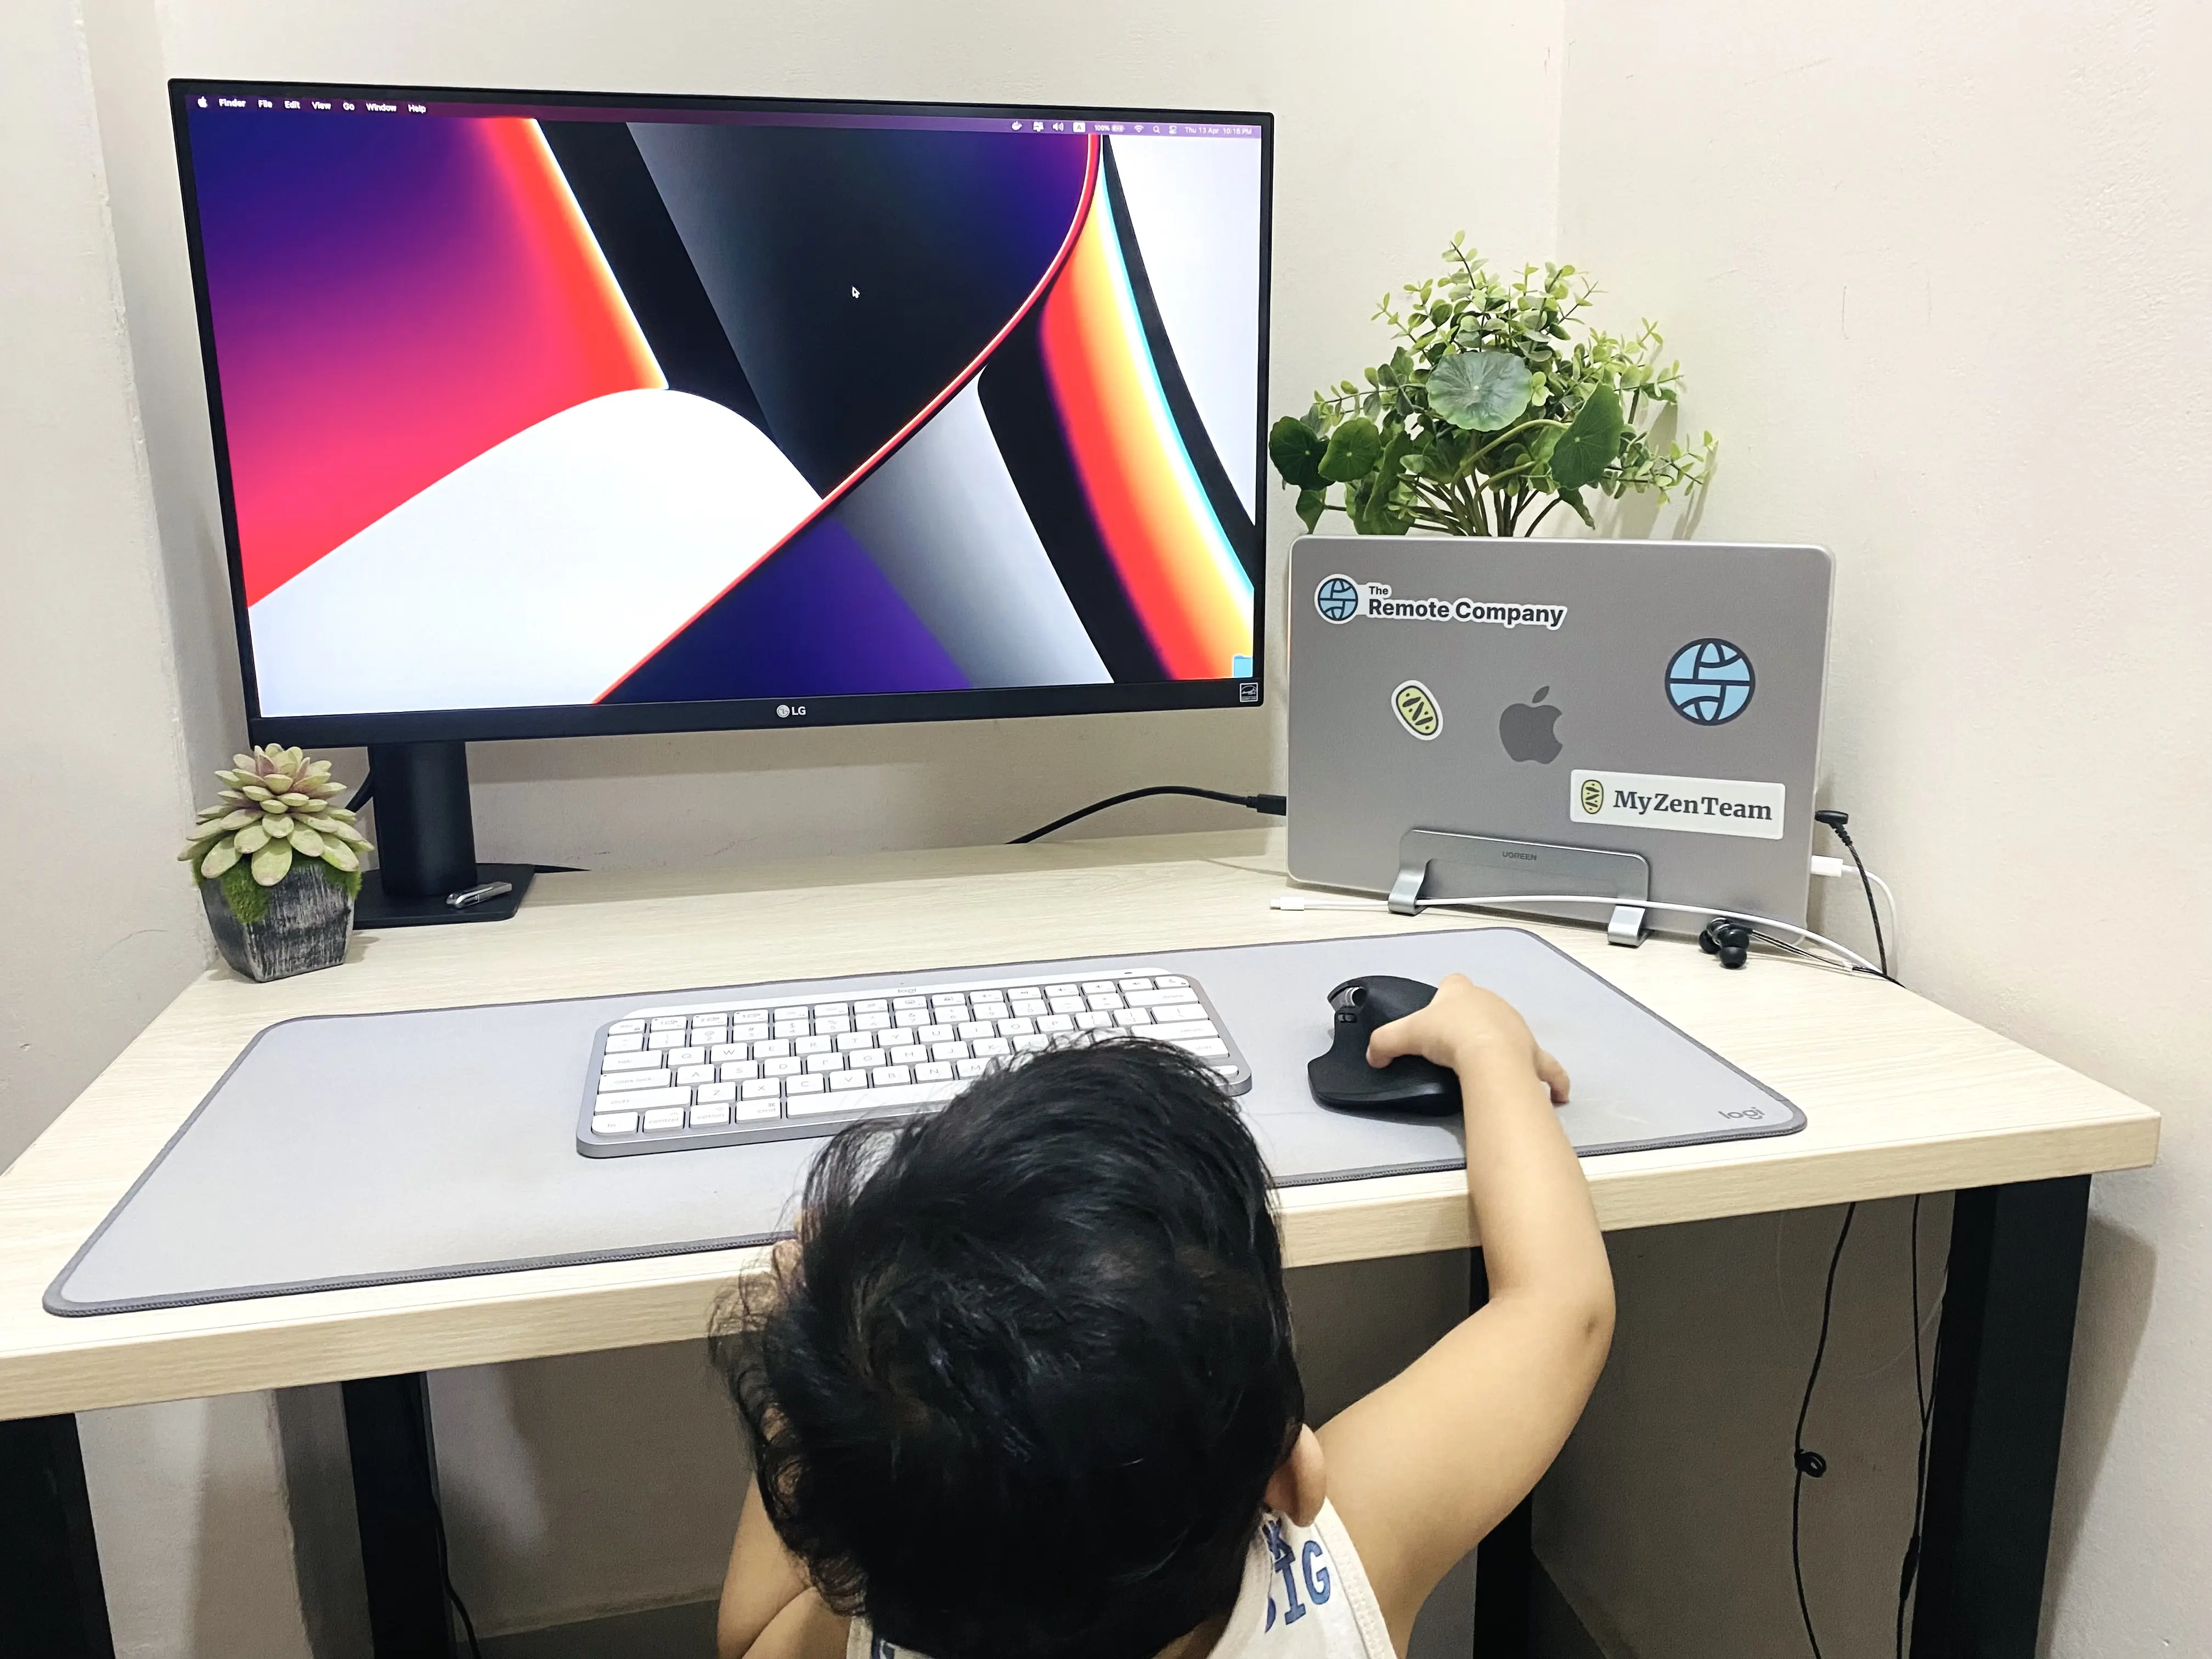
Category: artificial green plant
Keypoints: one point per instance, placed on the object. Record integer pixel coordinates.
(276, 809)
(1500, 402)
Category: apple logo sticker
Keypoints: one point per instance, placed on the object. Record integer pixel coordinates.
(1525, 729)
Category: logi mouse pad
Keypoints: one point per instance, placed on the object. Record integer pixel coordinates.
(440, 1143)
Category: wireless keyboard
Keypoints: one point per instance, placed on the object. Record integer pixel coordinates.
(666, 1080)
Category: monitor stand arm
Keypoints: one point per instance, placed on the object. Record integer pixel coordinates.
(1440, 864)
(426, 842)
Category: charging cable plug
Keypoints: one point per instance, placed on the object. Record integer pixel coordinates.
(1826, 868)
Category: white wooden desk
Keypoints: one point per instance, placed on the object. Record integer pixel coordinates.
(1901, 1096)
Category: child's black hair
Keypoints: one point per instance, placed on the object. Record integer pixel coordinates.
(1018, 1391)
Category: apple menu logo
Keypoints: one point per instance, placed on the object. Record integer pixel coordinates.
(1525, 729)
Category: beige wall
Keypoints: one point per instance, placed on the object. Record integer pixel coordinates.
(1938, 276)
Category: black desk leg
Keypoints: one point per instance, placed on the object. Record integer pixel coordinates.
(53, 1605)
(395, 1499)
(1505, 1561)
(2007, 1342)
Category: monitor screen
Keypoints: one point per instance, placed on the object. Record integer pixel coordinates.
(540, 414)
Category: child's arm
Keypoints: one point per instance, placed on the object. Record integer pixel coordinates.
(768, 1610)
(1427, 1465)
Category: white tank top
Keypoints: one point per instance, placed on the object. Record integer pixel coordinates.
(1305, 1596)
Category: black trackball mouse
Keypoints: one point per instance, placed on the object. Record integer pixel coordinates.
(1343, 1078)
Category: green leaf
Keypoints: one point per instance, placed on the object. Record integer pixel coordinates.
(252, 839)
(1574, 498)
(1480, 391)
(272, 863)
(1376, 516)
(1353, 449)
(1296, 449)
(307, 842)
(1589, 445)
(1312, 503)
(223, 857)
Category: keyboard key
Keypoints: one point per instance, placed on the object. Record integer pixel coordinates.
(766, 1088)
(913, 1019)
(902, 1004)
(774, 1049)
(968, 1068)
(950, 1004)
(686, 1075)
(1132, 1017)
(874, 1020)
(1074, 1005)
(740, 1070)
(1031, 1008)
(787, 1065)
(841, 1081)
(670, 1023)
(626, 1027)
(825, 1062)
(723, 1053)
(666, 1040)
(933, 1071)
(1029, 991)
(1165, 980)
(934, 1033)
(757, 1111)
(791, 1028)
(814, 1045)
(948, 1051)
(708, 1094)
(884, 1076)
(907, 1054)
(1097, 987)
(831, 1010)
(1055, 1022)
(663, 1117)
(853, 1040)
(811, 1083)
(970, 1029)
(638, 1062)
(879, 1099)
(716, 1117)
(1034, 1043)
(1104, 1001)
(624, 1081)
(992, 1047)
(624, 1045)
(872, 1006)
(1205, 1048)
(645, 1099)
(1014, 1028)
(1134, 984)
(614, 1123)
(1171, 1031)
(1160, 999)
(1063, 990)
(797, 1011)
(1089, 1022)
(687, 1056)
(832, 1025)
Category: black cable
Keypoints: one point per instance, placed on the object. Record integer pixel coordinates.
(366, 794)
(1839, 822)
(1811, 1464)
(417, 1413)
(1272, 805)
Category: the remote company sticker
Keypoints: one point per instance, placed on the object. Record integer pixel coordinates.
(1699, 806)
(1710, 681)
(1337, 600)
(1417, 710)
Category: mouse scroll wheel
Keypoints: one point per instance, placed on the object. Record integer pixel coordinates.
(1349, 1001)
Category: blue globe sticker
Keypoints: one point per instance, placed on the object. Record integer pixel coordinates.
(1337, 600)
(1710, 681)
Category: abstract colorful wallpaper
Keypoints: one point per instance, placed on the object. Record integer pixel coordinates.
(525, 410)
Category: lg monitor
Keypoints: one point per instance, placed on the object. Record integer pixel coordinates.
(551, 414)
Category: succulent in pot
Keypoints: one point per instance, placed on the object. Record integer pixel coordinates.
(278, 864)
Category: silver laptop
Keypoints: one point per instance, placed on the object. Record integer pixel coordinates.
(1660, 700)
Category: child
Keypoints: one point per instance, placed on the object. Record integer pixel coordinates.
(1024, 1387)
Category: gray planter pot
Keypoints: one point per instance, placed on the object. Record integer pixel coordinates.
(305, 928)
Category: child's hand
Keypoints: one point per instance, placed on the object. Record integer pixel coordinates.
(1464, 1026)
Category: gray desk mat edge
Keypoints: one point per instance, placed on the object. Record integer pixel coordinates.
(55, 1302)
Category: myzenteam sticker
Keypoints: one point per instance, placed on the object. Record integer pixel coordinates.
(1701, 806)
(1415, 705)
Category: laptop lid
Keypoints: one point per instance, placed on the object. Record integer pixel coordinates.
(1658, 698)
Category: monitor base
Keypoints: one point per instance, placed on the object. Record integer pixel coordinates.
(377, 909)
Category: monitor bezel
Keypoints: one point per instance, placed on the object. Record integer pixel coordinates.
(751, 714)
